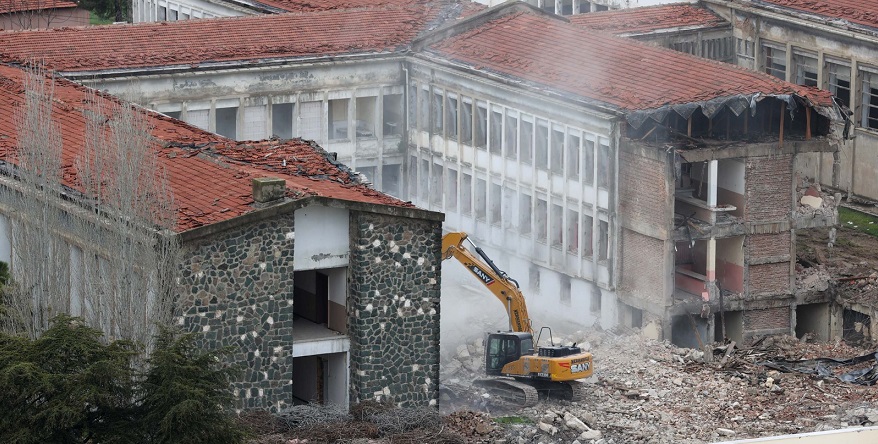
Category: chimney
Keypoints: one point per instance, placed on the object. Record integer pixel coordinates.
(268, 189)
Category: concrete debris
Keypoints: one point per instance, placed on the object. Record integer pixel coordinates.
(647, 391)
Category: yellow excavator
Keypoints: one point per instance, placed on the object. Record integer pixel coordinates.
(518, 369)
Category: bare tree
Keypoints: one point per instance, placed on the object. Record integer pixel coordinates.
(33, 14)
(101, 248)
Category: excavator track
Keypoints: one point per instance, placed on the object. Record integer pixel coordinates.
(578, 391)
(510, 390)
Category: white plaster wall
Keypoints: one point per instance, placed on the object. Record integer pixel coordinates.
(337, 379)
(730, 175)
(322, 237)
(5, 240)
(338, 285)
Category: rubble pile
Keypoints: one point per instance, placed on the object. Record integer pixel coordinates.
(646, 391)
(813, 201)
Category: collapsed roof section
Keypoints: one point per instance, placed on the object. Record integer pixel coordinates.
(519, 43)
(210, 176)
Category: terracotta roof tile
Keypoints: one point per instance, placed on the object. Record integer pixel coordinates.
(377, 29)
(8, 6)
(648, 19)
(863, 12)
(209, 175)
(620, 72)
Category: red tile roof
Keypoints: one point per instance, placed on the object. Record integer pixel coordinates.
(649, 19)
(863, 12)
(9, 6)
(597, 67)
(209, 175)
(377, 29)
(326, 5)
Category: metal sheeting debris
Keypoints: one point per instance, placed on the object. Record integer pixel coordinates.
(824, 367)
(737, 104)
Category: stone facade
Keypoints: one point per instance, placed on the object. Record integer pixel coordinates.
(393, 308)
(236, 289)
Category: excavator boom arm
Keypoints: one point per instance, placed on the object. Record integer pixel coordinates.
(502, 286)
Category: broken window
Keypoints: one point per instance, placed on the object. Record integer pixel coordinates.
(198, 117)
(309, 120)
(566, 7)
(584, 6)
(605, 165)
(390, 183)
(451, 116)
(438, 114)
(548, 6)
(451, 191)
(717, 49)
(775, 62)
(527, 141)
(436, 185)
(424, 109)
(572, 231)
(173, 114)
(587, 237)
(557, 222)
(481, 128)
(227, 122)
(806, 68)
(481, 199)
(466, 122)
(511, 136)
(496, 199)
(282, 120)
(254, 123)
(524, 214)
(556, 157)
(542, 145)
(413, 178)
(392, 114)
(496, 140)
(573, 150)
(368, 173)
(338, 119)
(366, 118)
(746, 53)
(588, 163)
(839, 81)
(466, 190)
(595, 303)
(869, 105)
(604, 240)
(424, 180)
(541, 213)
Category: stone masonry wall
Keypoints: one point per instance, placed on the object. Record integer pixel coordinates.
(235, 288)
(393, 307)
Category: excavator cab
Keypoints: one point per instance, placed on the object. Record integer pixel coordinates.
(505, 347)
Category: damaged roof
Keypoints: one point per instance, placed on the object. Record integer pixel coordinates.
(860, 12)
(547, 52)
(385, 28)
(210, 176)
(10, 6)
(649, 19)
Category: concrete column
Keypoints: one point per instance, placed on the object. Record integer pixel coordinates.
(711, 182)
(711, 260)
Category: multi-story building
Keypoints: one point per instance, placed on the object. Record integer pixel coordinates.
(615, 179)
(324, 289)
